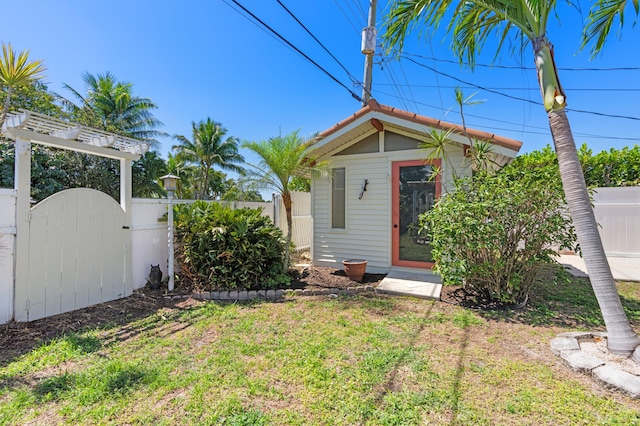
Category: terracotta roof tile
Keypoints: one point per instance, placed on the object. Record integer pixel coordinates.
(373, 105)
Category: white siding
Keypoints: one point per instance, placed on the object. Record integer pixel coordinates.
(368, 220)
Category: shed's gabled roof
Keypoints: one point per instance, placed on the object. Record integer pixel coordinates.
(364, 120)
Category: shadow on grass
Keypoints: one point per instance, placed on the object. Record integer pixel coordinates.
(567, 303)
(131, 316)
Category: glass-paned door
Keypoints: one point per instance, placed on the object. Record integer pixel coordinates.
(414, 192)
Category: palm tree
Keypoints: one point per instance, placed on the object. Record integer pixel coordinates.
(281, 159)
(16, 71)
(471, 23)
(209, 148)
(601, 17)
(178, 167)
(109, 104)
(146, 172)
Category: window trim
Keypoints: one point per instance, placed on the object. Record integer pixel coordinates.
(344, 190)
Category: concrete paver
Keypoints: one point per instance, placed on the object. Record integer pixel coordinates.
(622, 268)
(419, 283)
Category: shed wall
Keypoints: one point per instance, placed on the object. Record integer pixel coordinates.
(367, 234)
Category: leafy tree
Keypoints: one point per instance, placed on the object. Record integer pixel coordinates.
(16, 71)
(34, 97)
(242, 190)
(472, 22)
(91, 171)
(493, 232)
(301, 184)
(110, 105)
(208, 148)
(146, 172)
(47, 170)
(611, 168)
(281, 159)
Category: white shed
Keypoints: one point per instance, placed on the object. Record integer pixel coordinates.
(367, 207)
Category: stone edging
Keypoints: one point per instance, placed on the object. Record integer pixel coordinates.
(243, 295)
(567, 346)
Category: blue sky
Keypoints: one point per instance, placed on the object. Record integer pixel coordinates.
(199, 59)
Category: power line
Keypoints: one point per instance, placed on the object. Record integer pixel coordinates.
(404, 75)
(353, 95)
(346, 17)
(545, 131)
(353, 79)
(516, 97)
(519, 67)
(536, 89)
(358, 5)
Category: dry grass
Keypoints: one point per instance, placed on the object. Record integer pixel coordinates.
(361, 360)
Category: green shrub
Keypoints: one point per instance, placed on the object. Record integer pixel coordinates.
(221, 248)
(494, 230)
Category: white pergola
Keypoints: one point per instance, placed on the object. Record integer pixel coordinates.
(27, 127)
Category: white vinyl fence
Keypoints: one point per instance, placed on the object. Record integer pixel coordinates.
(617, 212)
(7, 245)
(150, 235)
(302, 225)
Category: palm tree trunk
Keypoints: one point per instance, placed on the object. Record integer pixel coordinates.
(205, 184)
(286, 200)
(621, 337)
(5, 109)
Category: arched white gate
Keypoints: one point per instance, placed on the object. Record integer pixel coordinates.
(73, 249)
(78, 245)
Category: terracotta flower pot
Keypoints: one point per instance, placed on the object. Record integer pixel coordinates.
(355, 268)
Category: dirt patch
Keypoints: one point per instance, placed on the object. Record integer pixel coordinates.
(19, 338)
(319, 277)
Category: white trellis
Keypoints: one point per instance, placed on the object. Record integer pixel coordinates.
(27, 127)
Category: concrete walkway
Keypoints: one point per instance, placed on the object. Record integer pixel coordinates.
(622, 268)
(421, 283)
(425, 284)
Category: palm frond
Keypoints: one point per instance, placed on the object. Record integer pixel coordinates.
(602, 16)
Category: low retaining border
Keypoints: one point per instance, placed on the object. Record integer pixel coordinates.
(243, 295)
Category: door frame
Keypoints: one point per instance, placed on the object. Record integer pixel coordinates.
(395, 207)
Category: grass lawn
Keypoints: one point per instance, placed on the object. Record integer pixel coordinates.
(356, 360)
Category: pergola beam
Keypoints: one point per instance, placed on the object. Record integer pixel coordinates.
(71, 145)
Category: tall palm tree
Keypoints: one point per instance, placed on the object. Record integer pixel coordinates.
(472, 22)
(281, 159)
(109, 104)
(16, 71)
(209, 148)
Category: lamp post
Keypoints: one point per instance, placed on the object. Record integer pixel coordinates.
(170, 186)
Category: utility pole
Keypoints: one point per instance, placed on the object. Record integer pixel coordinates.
(368, 49)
